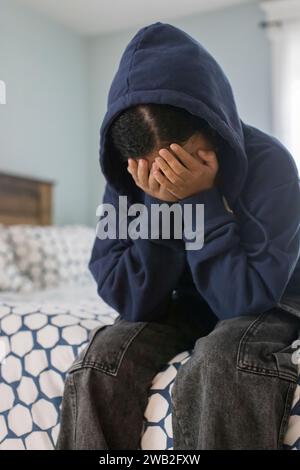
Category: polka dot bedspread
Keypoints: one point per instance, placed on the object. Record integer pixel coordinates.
(40, 336)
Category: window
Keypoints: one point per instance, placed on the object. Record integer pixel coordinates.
(284, 34)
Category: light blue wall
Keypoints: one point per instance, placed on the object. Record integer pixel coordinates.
(44, 126)
(57, 85)
(232, 35)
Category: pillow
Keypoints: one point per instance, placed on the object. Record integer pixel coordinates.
(53, 255)
(11, 279)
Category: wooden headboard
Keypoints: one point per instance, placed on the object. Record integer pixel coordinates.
(25, 200)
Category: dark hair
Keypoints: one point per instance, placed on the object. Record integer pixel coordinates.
(143, 128)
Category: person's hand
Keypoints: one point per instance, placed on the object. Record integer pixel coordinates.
(185, 175)
(139, 170)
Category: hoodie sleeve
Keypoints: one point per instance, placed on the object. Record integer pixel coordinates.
(136, 277)
(227, 272)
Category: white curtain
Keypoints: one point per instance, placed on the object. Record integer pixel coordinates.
(286, 88)
(293, 93)
(285, 47)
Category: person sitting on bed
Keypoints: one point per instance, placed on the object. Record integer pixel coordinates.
(172, 135)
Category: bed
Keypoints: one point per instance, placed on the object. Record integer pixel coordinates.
(48, 309)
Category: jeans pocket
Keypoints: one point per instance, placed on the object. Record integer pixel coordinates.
(80, 358)
(265, 346)
(105, 351)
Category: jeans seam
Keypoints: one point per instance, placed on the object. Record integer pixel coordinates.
(92, 337)
(73, 397)
(179, 426)
(93, 365)
(241, 348)
(124, 348)
(266, 372)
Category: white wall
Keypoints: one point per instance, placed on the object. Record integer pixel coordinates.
(44, 125)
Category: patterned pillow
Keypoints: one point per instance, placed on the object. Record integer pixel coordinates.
(11, 279)
(52, 255)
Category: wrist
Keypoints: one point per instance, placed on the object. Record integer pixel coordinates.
(198, 192)
(214, 204)
(168, 225)
(156, 200)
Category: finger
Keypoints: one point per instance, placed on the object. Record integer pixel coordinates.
(177, 167)
(143, 172)
(132, 169)
(163, 181)
(209, 157)
(185, 157)
(168, 172)
(152, 183)
(166, 185)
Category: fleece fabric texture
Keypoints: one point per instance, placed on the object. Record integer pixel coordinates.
(249, 257)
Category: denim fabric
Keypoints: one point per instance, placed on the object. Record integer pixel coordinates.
(235, 391)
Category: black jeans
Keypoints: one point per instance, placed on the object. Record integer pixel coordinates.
(234, 392)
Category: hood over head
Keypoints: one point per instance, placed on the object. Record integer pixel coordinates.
(165, 65)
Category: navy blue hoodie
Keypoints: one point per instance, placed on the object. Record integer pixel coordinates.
(250, 252)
